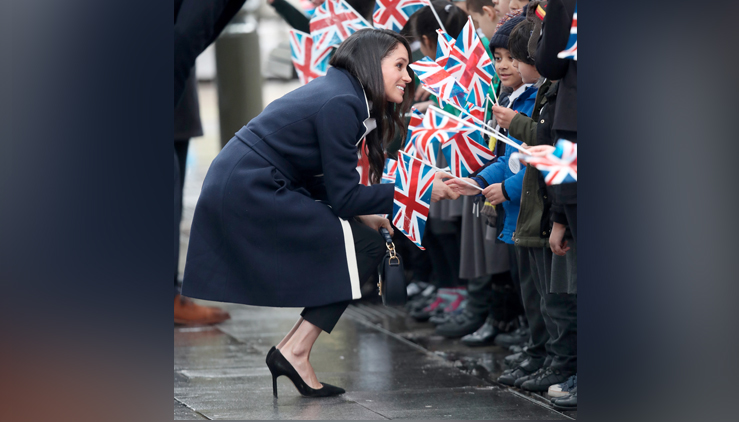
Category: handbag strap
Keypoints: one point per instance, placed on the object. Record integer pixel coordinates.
(390, 246)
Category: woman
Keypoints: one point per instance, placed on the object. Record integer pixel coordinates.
(270, 227)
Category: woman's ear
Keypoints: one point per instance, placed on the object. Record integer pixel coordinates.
(426, 42)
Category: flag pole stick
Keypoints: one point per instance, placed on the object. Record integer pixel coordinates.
(487, 132)
(495, 134)
(440, 170)
(436, 15)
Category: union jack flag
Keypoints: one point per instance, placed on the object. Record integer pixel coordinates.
(363, 167)
(414, 182)
(466, 153)
(444, 44)
(437, 80)
(571, 51)
(558, 167)
(470, 64)
(394, 14)
(388, 173)
(416, 119)
(476, 112)
(309, 63)
(434, 130)
(333, 22)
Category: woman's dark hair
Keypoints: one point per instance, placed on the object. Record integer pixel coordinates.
(361, 55)
(518, 41)
(424, 22)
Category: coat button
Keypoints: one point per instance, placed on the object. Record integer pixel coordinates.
(527, 192)
(544, 233)
(545, 197)
(542, 120)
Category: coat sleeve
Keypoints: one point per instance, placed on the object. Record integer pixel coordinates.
(523, 128)
(291, 15)
(338, 125)
(197, 24)
(514, 185)
(556, 33)
(493, 173)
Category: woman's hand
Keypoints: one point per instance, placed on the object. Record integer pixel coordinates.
(459, 186)
(503, 115)
(441, 190)
(556, 240)
(376, 222)
(494, 194)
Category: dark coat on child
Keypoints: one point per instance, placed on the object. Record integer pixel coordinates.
(272, 231)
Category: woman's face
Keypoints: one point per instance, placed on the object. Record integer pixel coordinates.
(395, 74)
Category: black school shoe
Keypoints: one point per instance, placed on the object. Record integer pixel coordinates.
(515, 359)
(516, 338)
(461, 325)
(524, 369)
(568, 402)
(484, 335)
(545, 379)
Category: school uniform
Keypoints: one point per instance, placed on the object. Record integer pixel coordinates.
(271, 225)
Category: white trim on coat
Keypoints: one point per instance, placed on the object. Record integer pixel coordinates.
(351, 259)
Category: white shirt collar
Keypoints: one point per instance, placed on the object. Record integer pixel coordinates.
(517, 93)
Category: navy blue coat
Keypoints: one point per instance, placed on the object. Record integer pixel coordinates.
(269, 228)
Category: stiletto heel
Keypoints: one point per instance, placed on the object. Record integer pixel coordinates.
(278, 366)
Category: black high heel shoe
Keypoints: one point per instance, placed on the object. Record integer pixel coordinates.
(278, 365)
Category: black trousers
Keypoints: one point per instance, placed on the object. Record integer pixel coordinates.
(540, 323)
(370, 248)
(180, 159)
(559, 312)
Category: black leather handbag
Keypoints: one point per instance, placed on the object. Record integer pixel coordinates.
(392, 277)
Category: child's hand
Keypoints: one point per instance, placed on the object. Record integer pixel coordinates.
(494, 194)
(422, 107)
(541, 150)
(556, 240)
(422, 95)
(503, 115)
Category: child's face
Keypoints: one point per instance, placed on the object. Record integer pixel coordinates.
(501, 7)
(508, 74)
(485, 21)
(529, 74)
(517, 5)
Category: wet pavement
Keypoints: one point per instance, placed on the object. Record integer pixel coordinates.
(391, 366)
(219, 372)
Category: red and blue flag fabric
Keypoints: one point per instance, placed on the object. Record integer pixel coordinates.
(333, 22)
(434, 130)
(388, 173)
(466, 153)
(444, 44)
(558, 167)
(394, 14)
(363, 167)
(438, 81)
(414, 182)
(309, 63)
(416, 119)
(470, 64)
(571, 51)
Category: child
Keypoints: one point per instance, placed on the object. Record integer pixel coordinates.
(484, 16)
(516, 5)
(502, 185)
